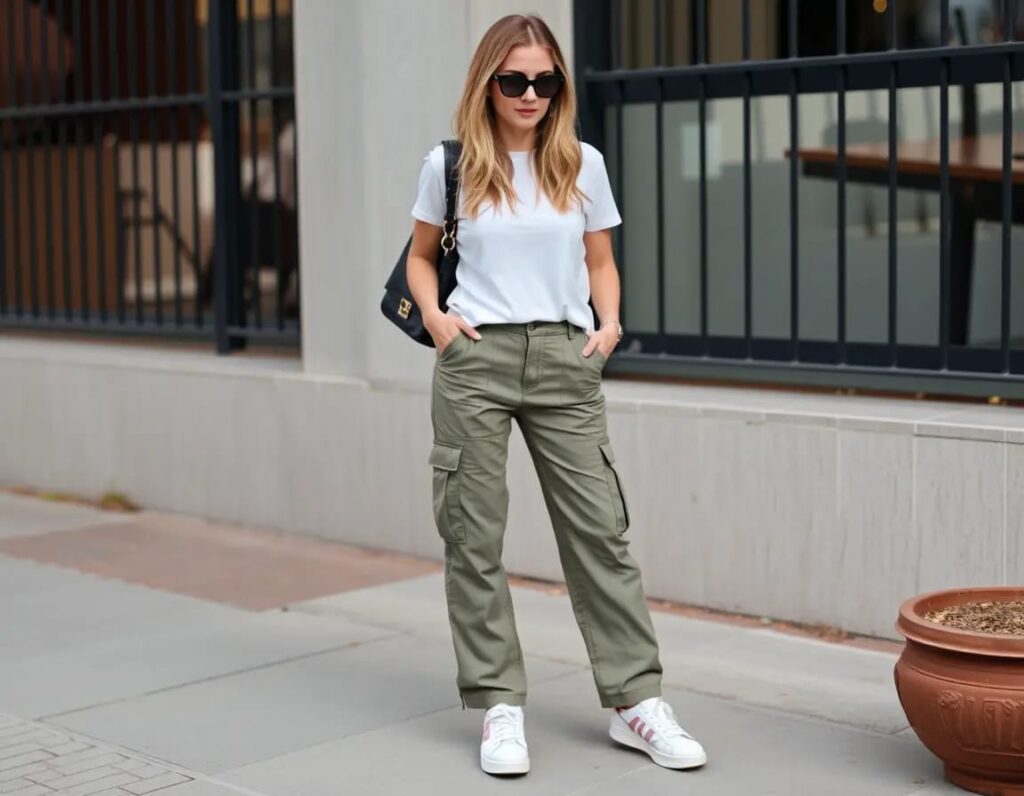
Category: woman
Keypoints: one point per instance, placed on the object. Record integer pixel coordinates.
(534, 217)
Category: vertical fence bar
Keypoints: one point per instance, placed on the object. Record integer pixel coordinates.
(251, 266)
(620, 185)
(133, 124)
(278, 208)
(893, 196)
(659, 154)
(83, 222)
(748, 248)
(3, 219)
(617, 34)
(44, 151)
(120, 256)
(154, 160)
(841, 184)
(702, 127)
(3, 214)
(62, 145)
(173, 87)
(98, 143)
(701, 30)
(944, 219)
(202, 268)
(295, 194)
(16, 204)
(1009, 26)
(222, 57)
(794, 203)
(30, 149)
(659, 26)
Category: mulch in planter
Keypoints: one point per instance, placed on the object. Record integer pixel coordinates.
(983, 617)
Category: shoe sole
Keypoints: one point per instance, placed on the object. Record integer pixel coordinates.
(619, 731)
(495, 767)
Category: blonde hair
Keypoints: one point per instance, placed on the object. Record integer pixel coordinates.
(485, 165)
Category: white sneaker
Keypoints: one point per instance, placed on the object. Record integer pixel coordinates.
(651, 727)
(503, 747)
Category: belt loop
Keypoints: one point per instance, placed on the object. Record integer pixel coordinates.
(568, 326)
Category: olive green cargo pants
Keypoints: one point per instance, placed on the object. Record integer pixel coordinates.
(537, 374)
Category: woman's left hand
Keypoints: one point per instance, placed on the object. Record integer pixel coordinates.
(604, 339)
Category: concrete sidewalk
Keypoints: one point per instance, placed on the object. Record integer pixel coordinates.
(133, 661)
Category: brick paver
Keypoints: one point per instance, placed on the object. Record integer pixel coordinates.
(39, 760)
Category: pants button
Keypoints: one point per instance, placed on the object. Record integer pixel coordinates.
(531, 327)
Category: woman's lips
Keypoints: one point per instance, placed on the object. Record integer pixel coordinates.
(526, 112)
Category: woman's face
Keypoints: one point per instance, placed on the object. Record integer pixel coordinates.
(525, 112)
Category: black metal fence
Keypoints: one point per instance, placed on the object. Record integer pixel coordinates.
(636, 59)
(148, 169)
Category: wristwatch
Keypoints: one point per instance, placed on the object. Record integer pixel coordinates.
(620, 328)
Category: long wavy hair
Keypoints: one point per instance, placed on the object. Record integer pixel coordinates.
(485, 165)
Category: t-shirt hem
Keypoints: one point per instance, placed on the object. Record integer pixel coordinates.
(598, 225)
(421, 216)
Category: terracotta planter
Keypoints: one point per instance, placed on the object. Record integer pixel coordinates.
(963, 692)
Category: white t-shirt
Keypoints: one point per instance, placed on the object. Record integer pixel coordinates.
(526, 266)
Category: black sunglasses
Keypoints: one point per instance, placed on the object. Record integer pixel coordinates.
(514, 84)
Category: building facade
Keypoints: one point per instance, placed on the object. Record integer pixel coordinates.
(734, 154)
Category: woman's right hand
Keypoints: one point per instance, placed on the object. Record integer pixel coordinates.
(445, 327)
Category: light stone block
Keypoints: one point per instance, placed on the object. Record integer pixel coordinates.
(959, 493)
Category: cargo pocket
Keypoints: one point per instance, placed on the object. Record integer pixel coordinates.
(447, 510)
(615, 488)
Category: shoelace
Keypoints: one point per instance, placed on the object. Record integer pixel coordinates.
(664, 720)
(504, 724)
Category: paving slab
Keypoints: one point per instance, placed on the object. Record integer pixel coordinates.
(785, 672)
(161, 656)
(545, 620)
(201, 787)
(19, 578)
(750, 751)
(134, 686)
(74, 610)
(215, 725)
(760, 667)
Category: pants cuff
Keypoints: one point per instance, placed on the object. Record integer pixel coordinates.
(486, 699)
(626, 698)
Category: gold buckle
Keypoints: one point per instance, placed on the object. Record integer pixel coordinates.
(404, 307)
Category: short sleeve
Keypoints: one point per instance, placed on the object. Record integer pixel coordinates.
(600, 211)
(429, 205)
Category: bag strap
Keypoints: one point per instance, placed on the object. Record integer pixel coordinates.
(452, 150)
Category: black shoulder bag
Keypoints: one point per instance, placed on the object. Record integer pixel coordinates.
(398, 305)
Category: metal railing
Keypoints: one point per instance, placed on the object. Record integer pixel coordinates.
(609, 88)
(147, 170)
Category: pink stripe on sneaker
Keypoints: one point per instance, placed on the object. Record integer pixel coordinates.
(648, 734)
(633, 722)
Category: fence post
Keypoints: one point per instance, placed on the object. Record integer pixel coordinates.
(592, 50)
(222, 57)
